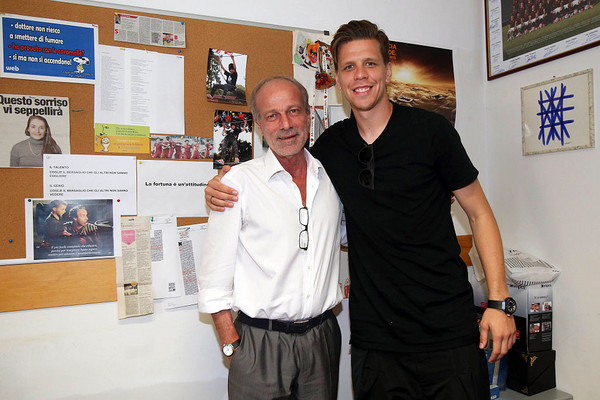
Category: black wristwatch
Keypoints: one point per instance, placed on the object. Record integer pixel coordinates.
(508, 305)
(229, 348)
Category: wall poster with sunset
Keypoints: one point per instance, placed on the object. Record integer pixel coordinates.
(423, 77)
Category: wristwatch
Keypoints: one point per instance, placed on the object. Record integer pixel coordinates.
(229, 348)
(508, 305)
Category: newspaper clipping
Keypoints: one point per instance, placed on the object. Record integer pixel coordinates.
(134, 272)
(146, 30)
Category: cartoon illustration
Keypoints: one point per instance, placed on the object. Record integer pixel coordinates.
(80, 62)
(105, 143)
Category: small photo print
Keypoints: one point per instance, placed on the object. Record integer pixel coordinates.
(534, 328)
(232, 137)
(534, 308)
(226, 77)
(181, 147)
(131, 289)
(546, 326)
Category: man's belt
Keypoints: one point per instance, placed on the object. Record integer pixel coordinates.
(285, 326)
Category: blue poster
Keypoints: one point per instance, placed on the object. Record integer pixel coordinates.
(46, 49)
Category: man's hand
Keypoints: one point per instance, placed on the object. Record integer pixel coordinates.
(217, 195)
(504, 332)
(89, 229)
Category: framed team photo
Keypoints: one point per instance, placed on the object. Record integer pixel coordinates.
(524, 33)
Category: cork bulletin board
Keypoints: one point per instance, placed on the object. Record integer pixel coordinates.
(28, 286)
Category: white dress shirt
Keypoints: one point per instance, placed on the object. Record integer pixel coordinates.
(251, 259)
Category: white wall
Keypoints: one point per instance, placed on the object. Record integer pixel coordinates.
(546, 205)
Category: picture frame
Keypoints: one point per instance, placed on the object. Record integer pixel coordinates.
(558, 114)
(518, 38)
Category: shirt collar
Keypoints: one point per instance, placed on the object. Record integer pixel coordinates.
(273, 166)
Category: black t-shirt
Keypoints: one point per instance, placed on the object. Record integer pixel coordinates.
(231, 78)
(409, 287)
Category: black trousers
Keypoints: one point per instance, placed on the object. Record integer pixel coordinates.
(455, 374)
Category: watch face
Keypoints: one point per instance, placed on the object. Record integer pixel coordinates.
(510, 306)
(228, 350)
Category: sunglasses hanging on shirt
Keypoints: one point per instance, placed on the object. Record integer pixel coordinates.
(366, 177)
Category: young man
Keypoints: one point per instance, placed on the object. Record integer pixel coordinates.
(274, 257)
(229, 146)
(231, 76)
(414, 332)
(79, 227)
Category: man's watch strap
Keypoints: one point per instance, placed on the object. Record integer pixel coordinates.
(229, 348)
(508, 305)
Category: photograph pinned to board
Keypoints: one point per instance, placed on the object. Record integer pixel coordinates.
(423, 76)
(67, 229)
(558, 114)
(226, 77)
(232, 138)
(181, 147)
(31, 126)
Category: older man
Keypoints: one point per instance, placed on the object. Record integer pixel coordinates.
(274, 258)
(413, 329)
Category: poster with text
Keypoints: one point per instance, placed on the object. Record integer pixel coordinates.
(62, 229)
(423, 77)
(31, 126)
(48, 49)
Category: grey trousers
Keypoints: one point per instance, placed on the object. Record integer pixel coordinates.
(276, 365)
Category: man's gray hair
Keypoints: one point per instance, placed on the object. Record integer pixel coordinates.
(273, 78)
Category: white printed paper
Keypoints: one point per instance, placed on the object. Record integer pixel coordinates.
(137, 87)
(190, 242)
(173, 187)
(92, 177)
(166, 274)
